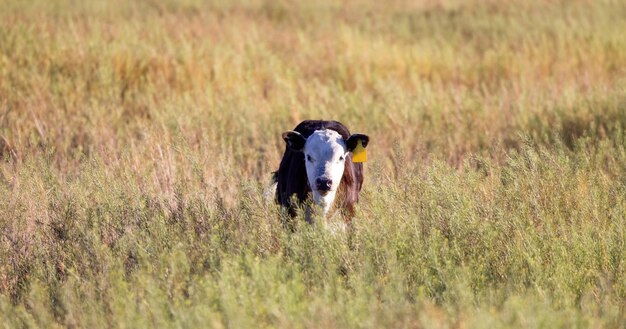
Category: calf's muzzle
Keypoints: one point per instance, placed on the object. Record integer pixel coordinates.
(323, 184)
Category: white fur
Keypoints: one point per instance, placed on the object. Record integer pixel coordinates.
(325, 153)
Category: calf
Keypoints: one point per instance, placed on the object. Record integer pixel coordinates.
(318, 161)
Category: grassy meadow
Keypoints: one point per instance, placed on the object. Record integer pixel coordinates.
(137, 140)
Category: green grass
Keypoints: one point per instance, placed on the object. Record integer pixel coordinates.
(137, 141)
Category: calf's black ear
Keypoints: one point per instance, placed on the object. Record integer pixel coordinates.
(295, 141)
(354, 139)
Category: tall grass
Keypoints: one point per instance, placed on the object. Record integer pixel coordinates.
(137, 140)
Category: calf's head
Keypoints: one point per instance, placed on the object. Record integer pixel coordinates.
(325, 154)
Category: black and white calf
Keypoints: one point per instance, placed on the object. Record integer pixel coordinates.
(318, 162)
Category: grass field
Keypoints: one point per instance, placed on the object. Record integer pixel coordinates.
(138, 138)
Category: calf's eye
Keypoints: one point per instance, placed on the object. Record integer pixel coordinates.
(308, 158)
(341, 158)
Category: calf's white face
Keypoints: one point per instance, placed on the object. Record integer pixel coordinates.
(325, 154)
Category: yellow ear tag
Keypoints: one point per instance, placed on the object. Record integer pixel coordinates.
(359, 154)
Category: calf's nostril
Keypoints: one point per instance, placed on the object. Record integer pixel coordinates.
(323, 184)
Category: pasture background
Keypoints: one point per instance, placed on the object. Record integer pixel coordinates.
(138, 138)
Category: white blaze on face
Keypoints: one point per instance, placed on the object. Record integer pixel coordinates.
(325, 152)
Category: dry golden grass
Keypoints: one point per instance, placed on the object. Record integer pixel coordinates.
(137, 138)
